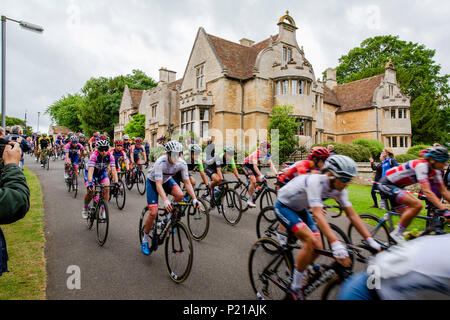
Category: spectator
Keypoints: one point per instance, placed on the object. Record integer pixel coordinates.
(17, 137)
(147, 149)
(14, 193)
(437, 145)
(389, 162)
(331, 150)
(378, 172)
(2, 132)
(7, 130)
(210, 149)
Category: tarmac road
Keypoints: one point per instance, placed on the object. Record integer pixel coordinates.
(118, 270)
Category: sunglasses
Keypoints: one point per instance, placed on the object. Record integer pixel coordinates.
(345, 180)
(103, 149)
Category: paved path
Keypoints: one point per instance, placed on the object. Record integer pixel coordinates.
(119, 270)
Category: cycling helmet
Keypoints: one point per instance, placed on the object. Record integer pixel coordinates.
(118, 143)
(174, 146)
(95, 134)
(195, 148)
(265, 144)
(138, 140)
(319, 153)
(44, 134)
(341, 166)
(74, 139)
(102, 143)
(439, 154)
(70, 134)
(82, 136)
(228, 149)
(126, 137)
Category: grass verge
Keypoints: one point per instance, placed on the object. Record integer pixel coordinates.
(25, 240)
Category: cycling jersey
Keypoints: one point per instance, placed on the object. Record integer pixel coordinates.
(72, 148)
(218, 161)
(163, 170)
(117, 156)
(44, 142)
(135, 151)
(298, 168)
(414, 171)
(93, 141)
(100, 164)
(83, 143)
(192, 165)
(308, 191)
(58, 142)
(260, 159)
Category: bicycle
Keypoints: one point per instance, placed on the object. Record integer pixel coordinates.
(98, 211)
(227, 201)
(267, 194)
(45, 161)
(168, 228)
(136, 176)
(53, 154)
(271, 277)
(82, 165)
(380, 228)
(197, 220)
(72, 182)
(119, 195)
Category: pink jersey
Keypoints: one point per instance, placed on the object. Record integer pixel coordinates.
(73, 148)
(414, 171)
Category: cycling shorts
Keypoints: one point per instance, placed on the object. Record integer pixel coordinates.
(249, 170)
(100, 178)
(152, 193)
(210, 171)
(294, 221)
(75, 159)
(392, 192)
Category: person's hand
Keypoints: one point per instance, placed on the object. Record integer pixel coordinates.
(90, 187)
(12, 153)
(168, 206)
(262, 177)
(371, 159)
(340, 253)
(196, 203)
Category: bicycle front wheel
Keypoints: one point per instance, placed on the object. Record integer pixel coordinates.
(102, 223)
(232, 207)
(179, 253)
(267, 223)
(268, 198)
(75, 187)
(269, 269)
(128, 180)
(141, 182)
(121, 196)
(198, 220)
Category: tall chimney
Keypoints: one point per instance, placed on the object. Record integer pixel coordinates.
(331, 78)
(167, 75)
(246, 42)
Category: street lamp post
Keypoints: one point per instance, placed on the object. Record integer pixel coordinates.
(25, 25)
(39, 114)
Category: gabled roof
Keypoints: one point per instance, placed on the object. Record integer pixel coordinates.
(173, 85)
(352, 96)
(238, 59)
(136, 97)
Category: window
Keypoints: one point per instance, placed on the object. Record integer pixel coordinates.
(301, 86)
(187, 121)
(204, 122)
(406, 142)
(278, 88)
(287, 54)
(400, 113)
(401, 142)
(304, 127)
(388, 141)
(405, 113)
(294, 87)
(154, 111)
(392, 113)
(200, 76)
(394, 142)
(285, 87)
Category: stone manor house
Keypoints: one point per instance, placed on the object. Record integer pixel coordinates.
(228, 85)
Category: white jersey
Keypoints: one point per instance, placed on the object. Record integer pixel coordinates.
(308, 191)
(414, 171)
(163, 170)
(417, 270)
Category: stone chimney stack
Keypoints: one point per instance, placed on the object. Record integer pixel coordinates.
(167, 75)
(246, 42)
(287, 30)
(331, 78)
(390, 73)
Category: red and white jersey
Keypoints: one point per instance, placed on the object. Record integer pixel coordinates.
(298, 168)
(414, 171)
(259, 157)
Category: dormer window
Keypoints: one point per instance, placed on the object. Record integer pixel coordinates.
(200, 77)
(287, 54)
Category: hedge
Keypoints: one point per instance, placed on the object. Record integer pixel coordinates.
(375, 146)
(405, 158)
(357, 152)
(417, 149)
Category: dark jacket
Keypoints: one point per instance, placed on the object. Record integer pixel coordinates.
(14, 194)
(24, 145)
(378, 168)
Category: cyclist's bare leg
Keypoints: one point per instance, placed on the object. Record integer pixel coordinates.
(252, 187)
(215, 180)
(414, 207)
(193, 182)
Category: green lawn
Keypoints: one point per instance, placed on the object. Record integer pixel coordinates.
(362, 201)
(25, 240)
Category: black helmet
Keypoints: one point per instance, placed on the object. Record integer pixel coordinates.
(439, 154)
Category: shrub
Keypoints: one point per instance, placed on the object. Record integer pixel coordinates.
(375, 146)
(402, 158)
(357, 152)
(155, 153)
(417, 149)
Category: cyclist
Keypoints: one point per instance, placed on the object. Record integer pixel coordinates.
(119, 155)
(127, 144)
(93, 141)
(97, 173)
(83, 142)
(58, 143)
(160, 182)
(309, 191)
(68, 138)
(215, 165)
(194, 161)
(36, 144)
(423, 171)
(73, 151)
(136, 150)
(252, 171)
(315, 162)
(44, 145)
(418, 270)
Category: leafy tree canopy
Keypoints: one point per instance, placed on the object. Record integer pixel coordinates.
(136, 127)
(283, 120)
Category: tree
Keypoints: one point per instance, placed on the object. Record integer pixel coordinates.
(426, 119)
(282, 119)
(65, 111)
(417, 73)
(102, 100)
(11, 121)
(136, 127)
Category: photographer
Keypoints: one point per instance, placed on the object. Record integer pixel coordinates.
(14, 192)
(16, 136)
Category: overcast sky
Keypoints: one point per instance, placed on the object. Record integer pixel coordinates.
(92, 38)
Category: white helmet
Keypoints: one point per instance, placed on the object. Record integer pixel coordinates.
(341, 166)
(174, 146)
(102, 143)
(74, 139)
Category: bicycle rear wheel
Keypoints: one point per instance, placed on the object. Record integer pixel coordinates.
(128, 181)
(270, 271)
(268, 198)
(232, 207)
(141, 182)
(102, 222)
(267, 223)
(198, 221)
(179, 252)
(47, 160)
(243, 195)
(120, 196)
(75, 187)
